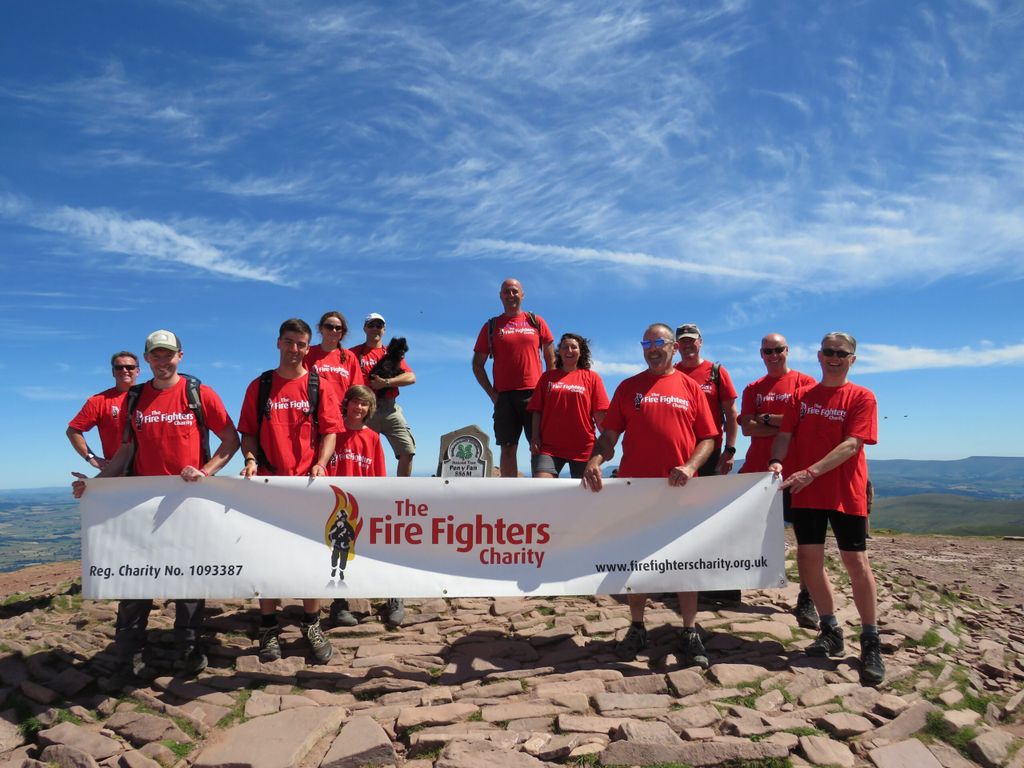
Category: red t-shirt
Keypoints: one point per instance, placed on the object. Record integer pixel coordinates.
(287, 436)
(771, 395)
(166, 434)
(338, 369)
(567, 401)
(358, 453)
(715, 392)
(367, 358)
(820, 418)
(663, 417)
(104, 411)
(516, 361)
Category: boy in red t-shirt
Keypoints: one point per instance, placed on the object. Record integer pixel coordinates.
(289, 442)
(829, 424)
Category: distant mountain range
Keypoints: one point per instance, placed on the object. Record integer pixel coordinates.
(981, 477)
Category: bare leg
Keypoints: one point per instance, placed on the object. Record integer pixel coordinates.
(311, 606)
(404, 465)
(688, 607)
(637, 603)
(810, 559)
(509, 462)
(268, 607)
(862, 581)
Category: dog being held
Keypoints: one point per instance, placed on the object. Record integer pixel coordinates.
(390, 366)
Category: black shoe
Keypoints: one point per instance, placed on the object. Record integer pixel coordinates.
(190, 661)
(829, 642)
(340, 615)
(872, 668)
(805, 612)
(270, 643)
(634, 642)
(691, 650)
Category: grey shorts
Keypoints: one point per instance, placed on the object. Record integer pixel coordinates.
(389, 421)
(553, 465)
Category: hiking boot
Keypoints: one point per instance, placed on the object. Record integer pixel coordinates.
(190, 660)
(270, 643)
(394, 611)
(340, 615)
(805, 612)
(634, 642)
(872, 668)
(691, 650)
(829, 642)
(320, 645)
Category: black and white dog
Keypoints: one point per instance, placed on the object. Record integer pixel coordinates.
(390, 366)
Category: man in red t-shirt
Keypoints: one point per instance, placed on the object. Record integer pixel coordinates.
(827, 426)
(764, 402)
(669, 432)
(105, 411)
(717, 386)
(512, 339)
(163, 437)
(387, 419)
(290, 440)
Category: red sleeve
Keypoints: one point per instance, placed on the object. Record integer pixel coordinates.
(748, 406)
(330, 412)
(545, 333)
(247, 418)
(216, 415)
(482, 345)
(614, 419)
(791, 416)
(537, 399)
(405, 366)
(704, 425)
(87, 417)
(726, 390)
(598, 395)
(862, 420)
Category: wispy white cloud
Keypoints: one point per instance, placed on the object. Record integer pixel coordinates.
(43, 394)
(888, 358)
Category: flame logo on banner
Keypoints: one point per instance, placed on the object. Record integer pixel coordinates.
(344, 515)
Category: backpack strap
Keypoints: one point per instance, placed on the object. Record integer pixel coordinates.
(262, 412)
(195, 404)
(313, 396)
(131, 404)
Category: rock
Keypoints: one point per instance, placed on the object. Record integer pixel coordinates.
(637, 684)
(281, 740)
(697, 753)
(909, 722)
(686, 681)
(79, 738)
(693, 717)
(651, 704)
(991, 749)
(136, 759)
(568, 723)
(776, 629)
(140, 728)
(38, 692)
(951, 698)
(843, 725)
(10, 734)
(444, 714)
(731, 675)
(548, 747)
(69, 682)
(767, 702)
(915, 628)
(906, 754)
(474, 754)
(647, 732)
(362, 742)
(67, 757)
(519, 711)
(260, 704)
(821, 750)
(960, 718)
(949, 757)
(890, 705)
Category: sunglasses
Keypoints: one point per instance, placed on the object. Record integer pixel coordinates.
(126, 367)
(333, 328)
(375, 324)
(657, 343)
(842, 354)
(772, 350)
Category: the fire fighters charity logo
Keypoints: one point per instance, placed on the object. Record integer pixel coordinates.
(342, 530)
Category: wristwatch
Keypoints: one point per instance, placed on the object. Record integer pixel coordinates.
(730, 449)
(89, 457)
(766, 419)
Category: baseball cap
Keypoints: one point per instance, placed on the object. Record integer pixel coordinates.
(162, 340)
(688, 331)
(374, 316)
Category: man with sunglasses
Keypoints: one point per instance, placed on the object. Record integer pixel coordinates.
(105, 411)
(827, 426)
(387, 419)
(513, 339)
(764, 402)
(669, 432)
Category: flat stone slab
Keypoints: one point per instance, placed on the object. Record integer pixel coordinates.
(475, 754)
(362, 742)
(907, 754)
(281, 740)
(141, 728)
(80, 738)
(443, 714)
(631, 702)
(730, 675)
(697, 753)
(843, 725)
(821, 750)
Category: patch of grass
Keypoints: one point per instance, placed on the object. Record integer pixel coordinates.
(592, 617)
(368, 695)
(930, 639)
(978, 703)
(435, 672)
(545, 610)
(476, 717)
(430, 754)
(503, 724)
(180, 748)
(237, 713)
(805, 730)
(17, 597)
(585, 761)
(186, 726)
(958, 739)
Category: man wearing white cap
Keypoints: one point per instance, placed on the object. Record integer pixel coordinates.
(388, 419)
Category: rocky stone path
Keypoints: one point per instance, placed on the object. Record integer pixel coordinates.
(481, 683)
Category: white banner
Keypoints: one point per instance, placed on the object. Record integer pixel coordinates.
(292, 537)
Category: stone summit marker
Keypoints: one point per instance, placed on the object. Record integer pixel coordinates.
(465, 452)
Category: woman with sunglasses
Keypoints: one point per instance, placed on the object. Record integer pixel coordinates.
(567, 405)
(336, 366)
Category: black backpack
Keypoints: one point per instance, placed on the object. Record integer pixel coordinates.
(195, 404)
(263, 411)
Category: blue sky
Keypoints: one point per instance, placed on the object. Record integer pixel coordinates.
(799, 167)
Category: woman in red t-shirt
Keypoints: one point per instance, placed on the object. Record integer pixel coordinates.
(568, 404)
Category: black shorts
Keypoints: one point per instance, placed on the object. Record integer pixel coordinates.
(710, 467)
(511, 417)
(541, 462)
(810, 526)
(787, 506)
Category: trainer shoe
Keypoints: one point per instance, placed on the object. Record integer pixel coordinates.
(829, 641)
(634, 641)
(340, 615)
(190, 660)
(394, 611)
(691, 650)
(805, 612)
(270, 643)
(320, 645)
(872, 668)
